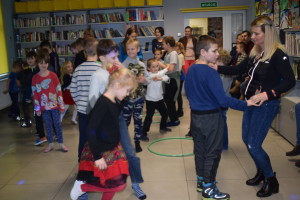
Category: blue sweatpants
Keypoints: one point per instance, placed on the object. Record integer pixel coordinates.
(52, 118)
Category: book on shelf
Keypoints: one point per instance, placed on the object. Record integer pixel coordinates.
(106, 17)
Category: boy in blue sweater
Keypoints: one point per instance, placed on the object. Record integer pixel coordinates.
(206, 97)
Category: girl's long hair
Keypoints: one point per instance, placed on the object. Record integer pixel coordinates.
(63, 71)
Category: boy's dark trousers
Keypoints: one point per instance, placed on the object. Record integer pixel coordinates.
(207, 130)
(150, 109)
(170, 91)
(14, 109)
(26, 111)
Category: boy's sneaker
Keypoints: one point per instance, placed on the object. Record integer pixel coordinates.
(199, 186)
(164, 130)
(40, 141)
(175, 123)
(18, 118)
(144, 138)
(211, 192)
(138, 191)
(26, 124)
(76, 191)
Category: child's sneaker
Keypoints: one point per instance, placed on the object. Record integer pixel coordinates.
(211, 192)
(199, 187)
(40, 141)
(138, 191)
(26, 124)
(76, 191)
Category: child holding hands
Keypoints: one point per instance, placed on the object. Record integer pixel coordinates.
(154, 96)
(48, 101)
(103, 162)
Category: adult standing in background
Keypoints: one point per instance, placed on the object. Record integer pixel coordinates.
(189, 42)
(130, 34)
(271, 75)
(247, 39)
(157, 42)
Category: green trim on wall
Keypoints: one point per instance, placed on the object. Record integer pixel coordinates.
(185, 10)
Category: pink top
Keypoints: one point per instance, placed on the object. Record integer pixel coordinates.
(189, 51)
(47, 93)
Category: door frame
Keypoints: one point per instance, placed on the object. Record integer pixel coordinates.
(226, 15)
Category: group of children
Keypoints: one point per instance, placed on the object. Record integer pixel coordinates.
(41, 94)
(107, 94)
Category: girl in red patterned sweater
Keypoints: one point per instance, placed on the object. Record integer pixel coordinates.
(48, 100)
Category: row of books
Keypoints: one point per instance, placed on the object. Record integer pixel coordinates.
(106, 17)
(32, 37)
(292, 43)
(68, 19)
(140, 15)
(142, 30)
(66, 35)
(31, 22)
(108, 33)
(59, 49)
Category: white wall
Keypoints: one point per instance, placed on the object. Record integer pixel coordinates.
(4, 98)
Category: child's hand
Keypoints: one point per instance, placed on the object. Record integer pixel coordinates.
(38, 113)
(141, 78)
(156, 78)
(5, 92)
(101, 164)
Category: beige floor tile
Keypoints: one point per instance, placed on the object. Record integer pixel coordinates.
(29, 191)
(49, 172)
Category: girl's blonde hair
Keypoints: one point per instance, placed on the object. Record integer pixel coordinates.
(224, 56)
(63, 70)
(123, 76)
(271, 42)
(181, 47)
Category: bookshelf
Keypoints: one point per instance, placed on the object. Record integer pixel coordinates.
(64, 27)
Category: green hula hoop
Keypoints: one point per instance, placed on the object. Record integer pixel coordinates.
(168, 155)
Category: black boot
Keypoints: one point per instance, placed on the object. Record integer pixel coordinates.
(259, 176)
(297, 163)
(294, 152)
(270, 186)
(138, 147)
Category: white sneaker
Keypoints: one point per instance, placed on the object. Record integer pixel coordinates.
(76, 190)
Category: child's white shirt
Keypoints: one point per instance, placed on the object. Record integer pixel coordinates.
(154, 89)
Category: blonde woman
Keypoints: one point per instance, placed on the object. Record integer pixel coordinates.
(271, 75)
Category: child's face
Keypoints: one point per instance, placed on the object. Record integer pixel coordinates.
(157, 55)
(154, 67)
(165, 46)
(212, 54)
(122, 91)
(239, 39)
(132, 50)
(74, 51)
(69, 68)
(239, 49)
(31, 61)
(110, 59)
(43, 66)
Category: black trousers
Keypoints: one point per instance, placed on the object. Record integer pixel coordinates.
(207, 131)
(179, 98)
(150, 109)
(170, 91)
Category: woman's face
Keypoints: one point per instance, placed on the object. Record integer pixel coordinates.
(258, 36)
(133, 35)
(157, 33)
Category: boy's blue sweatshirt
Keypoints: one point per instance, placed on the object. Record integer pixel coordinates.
(204, 90)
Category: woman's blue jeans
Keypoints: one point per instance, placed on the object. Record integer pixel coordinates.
(256, 124)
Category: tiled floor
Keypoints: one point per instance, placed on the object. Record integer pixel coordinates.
(26, 173)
